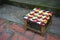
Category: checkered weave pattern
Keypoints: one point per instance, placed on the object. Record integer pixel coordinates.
(39, 16)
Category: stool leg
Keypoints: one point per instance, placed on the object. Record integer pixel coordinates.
(43, 31)
(25, 24)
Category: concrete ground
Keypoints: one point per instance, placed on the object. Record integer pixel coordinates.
(13, 31)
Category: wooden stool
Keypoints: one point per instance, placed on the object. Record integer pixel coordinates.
(32, 19)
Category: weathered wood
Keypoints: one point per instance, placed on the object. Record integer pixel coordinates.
(25, 24)
(43, 30)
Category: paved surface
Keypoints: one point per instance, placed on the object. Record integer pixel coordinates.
(16, 14)
(13, 31)
(13, 13)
